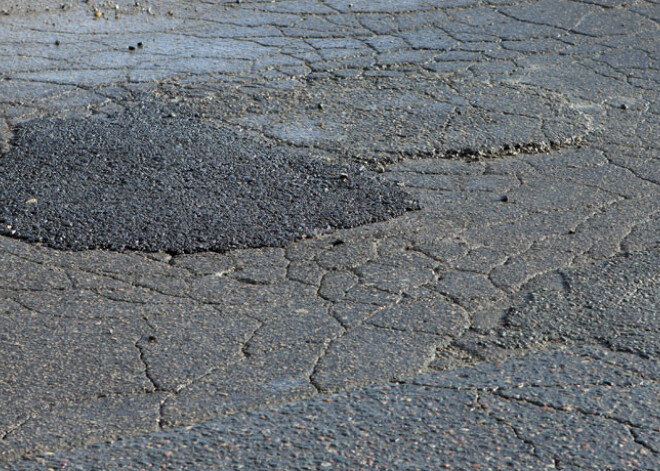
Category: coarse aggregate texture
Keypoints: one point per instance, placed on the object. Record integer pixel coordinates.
(155, 178)
(515, 312)
(615, 301)
(545, 411)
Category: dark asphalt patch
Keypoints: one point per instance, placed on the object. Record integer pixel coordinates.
(156, 178)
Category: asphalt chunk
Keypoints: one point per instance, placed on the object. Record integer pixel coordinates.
(155, 177)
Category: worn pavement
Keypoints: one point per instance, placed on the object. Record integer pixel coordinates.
(471, 279)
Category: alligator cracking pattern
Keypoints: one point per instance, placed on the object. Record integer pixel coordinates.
(544, 235)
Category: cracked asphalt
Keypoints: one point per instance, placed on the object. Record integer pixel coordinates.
(510, 321)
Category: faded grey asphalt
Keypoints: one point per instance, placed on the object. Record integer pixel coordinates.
(514, 313)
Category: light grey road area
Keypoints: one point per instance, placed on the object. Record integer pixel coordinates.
(330, 234)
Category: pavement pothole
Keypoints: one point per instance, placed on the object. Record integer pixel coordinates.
(155, 177)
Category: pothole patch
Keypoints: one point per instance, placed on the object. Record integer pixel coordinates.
(154, 177)
(380, 121)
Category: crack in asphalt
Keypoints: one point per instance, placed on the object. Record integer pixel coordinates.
(396, 89)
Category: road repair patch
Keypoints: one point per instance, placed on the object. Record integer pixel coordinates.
(154, 177)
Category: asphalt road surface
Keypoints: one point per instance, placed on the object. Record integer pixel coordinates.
(322, 234)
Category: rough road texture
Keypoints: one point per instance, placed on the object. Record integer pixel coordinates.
(517, 312)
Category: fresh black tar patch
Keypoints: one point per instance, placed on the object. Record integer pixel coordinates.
(155, 178)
